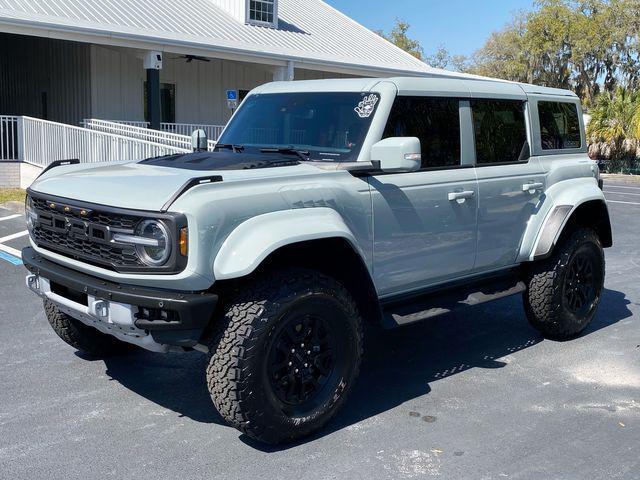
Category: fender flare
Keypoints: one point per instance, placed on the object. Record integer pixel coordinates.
(565, 198)
(250, 243)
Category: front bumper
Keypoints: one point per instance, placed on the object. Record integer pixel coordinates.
(153, 319)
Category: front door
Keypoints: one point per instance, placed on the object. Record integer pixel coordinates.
(510, 183)
(425, 221)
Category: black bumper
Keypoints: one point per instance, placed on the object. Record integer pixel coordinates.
(190, 312)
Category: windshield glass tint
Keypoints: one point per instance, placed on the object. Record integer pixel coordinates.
(329, 126)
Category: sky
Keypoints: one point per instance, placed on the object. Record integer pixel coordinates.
(461, 26)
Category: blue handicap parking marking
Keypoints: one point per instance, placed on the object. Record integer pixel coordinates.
(10, 258)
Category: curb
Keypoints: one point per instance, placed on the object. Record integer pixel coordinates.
(14, 206)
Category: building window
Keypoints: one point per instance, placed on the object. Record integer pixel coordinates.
(500, 131)
(262, 11)
(559, 125)
(435, 121)
(167, 103)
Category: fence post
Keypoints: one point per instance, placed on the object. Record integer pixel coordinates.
(21, 139)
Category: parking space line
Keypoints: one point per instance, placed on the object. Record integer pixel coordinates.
(622, 193)
(626, 203)
(12, 255)
(10, 217)
(13, 236)
(9, 257)
(619, 186)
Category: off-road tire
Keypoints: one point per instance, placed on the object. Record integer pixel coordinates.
(246, 331)
(82, 337)
(544, 299)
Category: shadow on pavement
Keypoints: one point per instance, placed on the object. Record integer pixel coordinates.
(399, 364)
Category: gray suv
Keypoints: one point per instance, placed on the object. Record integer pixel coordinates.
(326, 205)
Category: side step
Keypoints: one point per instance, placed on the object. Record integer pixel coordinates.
(415, 309)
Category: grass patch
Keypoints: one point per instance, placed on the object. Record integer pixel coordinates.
(9, 194)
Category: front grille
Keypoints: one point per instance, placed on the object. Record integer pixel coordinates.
(85, 234)
(95, 253)
(125, 222)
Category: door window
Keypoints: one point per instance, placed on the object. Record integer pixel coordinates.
(500, 131)
(559, 125)
(435, 121)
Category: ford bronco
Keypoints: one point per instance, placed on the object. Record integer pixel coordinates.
(324, 205)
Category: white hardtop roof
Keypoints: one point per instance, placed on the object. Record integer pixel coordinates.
(440, 82)
(310, 32)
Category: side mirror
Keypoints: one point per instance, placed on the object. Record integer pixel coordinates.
(199, 142)
(397, 154)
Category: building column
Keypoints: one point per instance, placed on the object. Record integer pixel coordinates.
(153, 65)
(284, 74)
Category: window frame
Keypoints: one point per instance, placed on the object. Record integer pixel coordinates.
(466, 134)
(536, 145)
(527, 127)
(579, 113)
(262, 23)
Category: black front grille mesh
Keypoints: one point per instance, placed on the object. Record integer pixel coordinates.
(83, 247)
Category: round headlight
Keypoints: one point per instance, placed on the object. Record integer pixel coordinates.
(31, 214)
(158, 249)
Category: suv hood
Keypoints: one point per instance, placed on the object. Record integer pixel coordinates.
(143, 185)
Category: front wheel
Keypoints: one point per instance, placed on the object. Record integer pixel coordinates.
(563, 291)
(286, 354)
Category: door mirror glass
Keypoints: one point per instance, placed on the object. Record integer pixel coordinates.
(397, 154)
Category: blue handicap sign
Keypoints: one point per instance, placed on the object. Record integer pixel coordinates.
(232, 95)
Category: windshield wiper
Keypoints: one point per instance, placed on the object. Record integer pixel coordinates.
(303, 154)
(228, 146)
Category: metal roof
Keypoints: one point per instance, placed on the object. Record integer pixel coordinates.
(309, 31)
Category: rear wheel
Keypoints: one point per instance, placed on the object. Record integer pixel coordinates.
(564, 290)
(82, 337)
(286, 355)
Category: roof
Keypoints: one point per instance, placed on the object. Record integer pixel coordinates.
(437, 82)
(309, 32)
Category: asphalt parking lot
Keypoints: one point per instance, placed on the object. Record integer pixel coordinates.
(477, 395)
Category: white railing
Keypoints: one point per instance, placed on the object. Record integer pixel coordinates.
(133, 123)
(45, 142)
(155, 136)
(9, 138)
(213, 131)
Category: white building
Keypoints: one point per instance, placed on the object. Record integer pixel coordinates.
(67, 60)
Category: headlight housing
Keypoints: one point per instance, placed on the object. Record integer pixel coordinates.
(30, 213)
(154, 244)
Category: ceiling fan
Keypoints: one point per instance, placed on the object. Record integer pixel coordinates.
(191, 58)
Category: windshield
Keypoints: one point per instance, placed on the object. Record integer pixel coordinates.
(325, 126)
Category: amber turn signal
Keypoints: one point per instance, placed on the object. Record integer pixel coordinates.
(183, 242)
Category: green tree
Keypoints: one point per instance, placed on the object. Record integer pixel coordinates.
(400, 38)
(615, 120)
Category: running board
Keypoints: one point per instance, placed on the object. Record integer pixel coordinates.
(451, 299)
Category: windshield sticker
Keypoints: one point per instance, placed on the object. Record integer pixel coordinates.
(366, 107)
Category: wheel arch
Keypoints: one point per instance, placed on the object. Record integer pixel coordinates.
(315, 238)
(564, 219)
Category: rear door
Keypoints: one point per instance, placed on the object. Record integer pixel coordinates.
(425, 221)
(510, 182)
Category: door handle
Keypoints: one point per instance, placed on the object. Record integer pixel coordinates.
(532, 187)
(461, 197)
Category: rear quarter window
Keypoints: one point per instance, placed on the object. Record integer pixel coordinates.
(559, 125)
